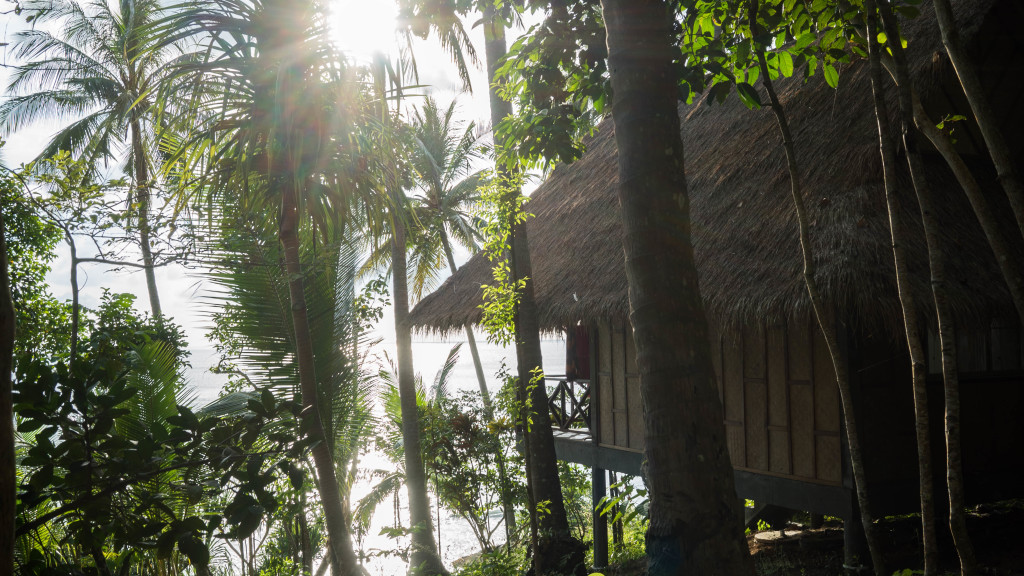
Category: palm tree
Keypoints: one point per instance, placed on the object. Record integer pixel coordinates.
(270, 118)
(442, 157)
(254, 315)
(100, 70)
(555, 549)
(442, 161)
(391, 137)
(687, 464)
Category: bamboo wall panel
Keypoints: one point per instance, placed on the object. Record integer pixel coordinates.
(605, 385)
(755, 397)
(736, 442)
(754, 362)
(972, 350)
(620, 390)
(732, 377)
(802, 403)
(716, 359)
(778, 450)
(732, 382)
(636, 406)
(826, 392)
(756, 425)
(778, 401)
(828, 458)
(799, 338)
(1006, 352)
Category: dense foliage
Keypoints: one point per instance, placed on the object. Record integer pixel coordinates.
(298, 183)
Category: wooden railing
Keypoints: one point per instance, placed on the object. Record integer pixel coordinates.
(569, 403)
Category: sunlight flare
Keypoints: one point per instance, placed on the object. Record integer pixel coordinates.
(361, 28)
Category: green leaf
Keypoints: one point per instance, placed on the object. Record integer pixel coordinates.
(718, 92)
(805, 40)
(785, 64)
(831, 75)
(748, 94)
(197, 552)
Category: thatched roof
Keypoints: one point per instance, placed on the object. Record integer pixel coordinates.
(744, 229)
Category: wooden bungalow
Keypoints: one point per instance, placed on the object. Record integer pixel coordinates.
(782, 413)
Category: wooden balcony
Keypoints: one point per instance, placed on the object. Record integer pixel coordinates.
(569, 404)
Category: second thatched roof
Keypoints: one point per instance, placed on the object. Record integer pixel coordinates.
(744, 227)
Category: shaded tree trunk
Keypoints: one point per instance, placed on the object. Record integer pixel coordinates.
(1008, 264)
(144, 196)
(918, 359)
(984, 115)
(341, 555)
(556, 550)
(943, 309)
(425, 559)
(826, 320)
(8, 480)
(279, 119)
(694, 513)
(76, 311)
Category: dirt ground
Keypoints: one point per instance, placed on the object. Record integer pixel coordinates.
(997, 532)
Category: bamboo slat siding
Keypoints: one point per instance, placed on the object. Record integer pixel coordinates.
(778, 390)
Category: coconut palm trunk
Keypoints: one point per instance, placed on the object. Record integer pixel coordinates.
(8, 480)
(694, 512)
(984, 115)
(340, 553)
(918, 359)
(943, 309)
(425, 559)
(825, 317)
(485, 395)
(280, 93)
(144, 197)
(556, 551)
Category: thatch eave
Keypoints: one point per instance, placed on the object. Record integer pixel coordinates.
(744, 230)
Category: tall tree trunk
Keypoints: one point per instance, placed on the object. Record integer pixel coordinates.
(1008, 264)
(425, 559)
(144, 196)
(8, 480)
(285, 68)
(694, 513)
(76, 311)
(485, 394)
(918, 359)
(342, 557)
(506, 490)
(984, 115)
(825, 317)
(943, 310)
(556, 551)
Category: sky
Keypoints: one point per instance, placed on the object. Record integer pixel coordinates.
(360, 28)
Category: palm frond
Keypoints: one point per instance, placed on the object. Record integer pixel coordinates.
(440, 388)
